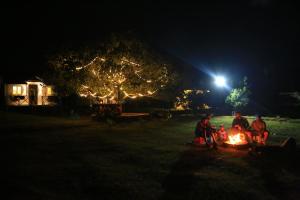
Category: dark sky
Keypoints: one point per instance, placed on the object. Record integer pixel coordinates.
(256, 38)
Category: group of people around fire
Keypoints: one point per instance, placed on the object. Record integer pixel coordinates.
(257, 132)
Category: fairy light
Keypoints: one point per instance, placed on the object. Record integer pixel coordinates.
(130, 62)
(112, 98)
(149, 92)
(90, 63)
(113, 80)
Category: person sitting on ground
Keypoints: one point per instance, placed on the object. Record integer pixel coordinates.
(222, 134)
(240, 121)
(204, 131)
(241, 124)
(259, 130)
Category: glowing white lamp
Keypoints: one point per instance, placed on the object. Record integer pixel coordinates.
(220, 81)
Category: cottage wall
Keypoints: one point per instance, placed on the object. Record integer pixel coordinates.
(19, 94)
(20, 98)
(47, 94)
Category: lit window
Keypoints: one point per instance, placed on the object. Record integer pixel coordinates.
(49, 91)
(17, 90)
(14, 89)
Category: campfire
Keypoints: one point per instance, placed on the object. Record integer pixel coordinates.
(236, 139)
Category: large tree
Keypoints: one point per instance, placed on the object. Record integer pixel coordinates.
(118, 69)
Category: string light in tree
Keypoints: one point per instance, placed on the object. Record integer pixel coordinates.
(110, 80)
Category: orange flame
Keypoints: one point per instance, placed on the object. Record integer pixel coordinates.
(237, 139)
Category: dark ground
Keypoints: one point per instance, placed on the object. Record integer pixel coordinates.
(59, 158)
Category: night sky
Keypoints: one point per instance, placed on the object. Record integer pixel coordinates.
(257, 38)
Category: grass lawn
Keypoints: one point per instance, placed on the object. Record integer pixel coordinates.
(58, 158)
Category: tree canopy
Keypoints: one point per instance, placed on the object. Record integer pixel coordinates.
(239, 97)
(120, 68)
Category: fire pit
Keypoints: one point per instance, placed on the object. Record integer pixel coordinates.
(236, 140)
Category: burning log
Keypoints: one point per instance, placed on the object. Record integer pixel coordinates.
(236, 140)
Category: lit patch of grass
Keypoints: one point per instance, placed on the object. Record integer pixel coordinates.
(58, 158)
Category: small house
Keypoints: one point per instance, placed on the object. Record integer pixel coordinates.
(30, 93)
